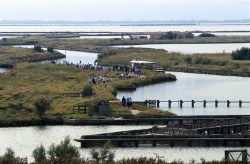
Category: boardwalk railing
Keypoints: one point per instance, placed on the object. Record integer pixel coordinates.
(212, 72)
(156, 103)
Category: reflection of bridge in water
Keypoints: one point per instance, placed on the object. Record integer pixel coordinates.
(181, 131)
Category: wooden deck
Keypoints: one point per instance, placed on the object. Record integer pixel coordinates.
(200, 131)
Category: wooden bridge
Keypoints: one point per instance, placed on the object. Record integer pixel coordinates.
(202, 131)
(156, 103)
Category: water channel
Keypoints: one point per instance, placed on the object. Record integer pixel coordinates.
(2, 70)
(72, 56)
(24, 140)
(197, 87)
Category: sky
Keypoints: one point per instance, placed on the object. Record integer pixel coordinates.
(124, 10)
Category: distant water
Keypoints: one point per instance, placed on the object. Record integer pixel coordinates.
(193, 48)
(238, 27)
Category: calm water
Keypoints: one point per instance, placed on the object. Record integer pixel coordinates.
(194, 48)
(73, 56)
(227, 34)
(2, 70)
(205, 27)
(24, 140)
(197, 87)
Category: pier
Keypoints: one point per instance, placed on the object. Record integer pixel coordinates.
(156, 103)
(199, 131)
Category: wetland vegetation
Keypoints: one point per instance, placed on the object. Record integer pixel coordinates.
(26, 82)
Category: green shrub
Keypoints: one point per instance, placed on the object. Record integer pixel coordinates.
(242, 54)
(64, 150)
(41, 105)
(9, 153)
(39, 154)
(103, 155)
(38, 49)
(50, 49)
(18, 106)
(200, 60)
(188, 60)
(87, 91)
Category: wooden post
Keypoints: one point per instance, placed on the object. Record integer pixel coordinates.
(216, 103)
(181, 103)
(228, 103)
(244, 157)
(204, 103)
(158, 103)
(240, 103)
(169, 103)
(154, 143)
(192, 103)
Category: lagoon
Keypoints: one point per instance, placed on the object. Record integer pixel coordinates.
(117, 28)
(193, 48)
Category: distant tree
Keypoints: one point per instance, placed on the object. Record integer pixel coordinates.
(242, 54)
(50, 49)
(41, 105)
(38, 49)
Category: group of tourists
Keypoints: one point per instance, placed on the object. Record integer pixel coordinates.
(100, 79)
(127, 102)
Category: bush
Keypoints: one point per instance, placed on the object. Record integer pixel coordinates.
(41, 105)
(103, 155)
(87, 91)
(39, 154)
(200, 60)
(50, 49)
(188, 60)
(63, 150)
(242, 54)
(9, 153)
(38, 49)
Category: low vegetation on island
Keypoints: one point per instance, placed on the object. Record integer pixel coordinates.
(28, 84)
(35, 92)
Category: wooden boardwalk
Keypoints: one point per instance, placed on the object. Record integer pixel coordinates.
(191, 103)
(200, 131)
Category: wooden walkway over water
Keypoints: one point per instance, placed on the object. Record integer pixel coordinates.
(192, 103)
(199, 131)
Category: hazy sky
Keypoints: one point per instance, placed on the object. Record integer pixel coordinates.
(119, 10)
